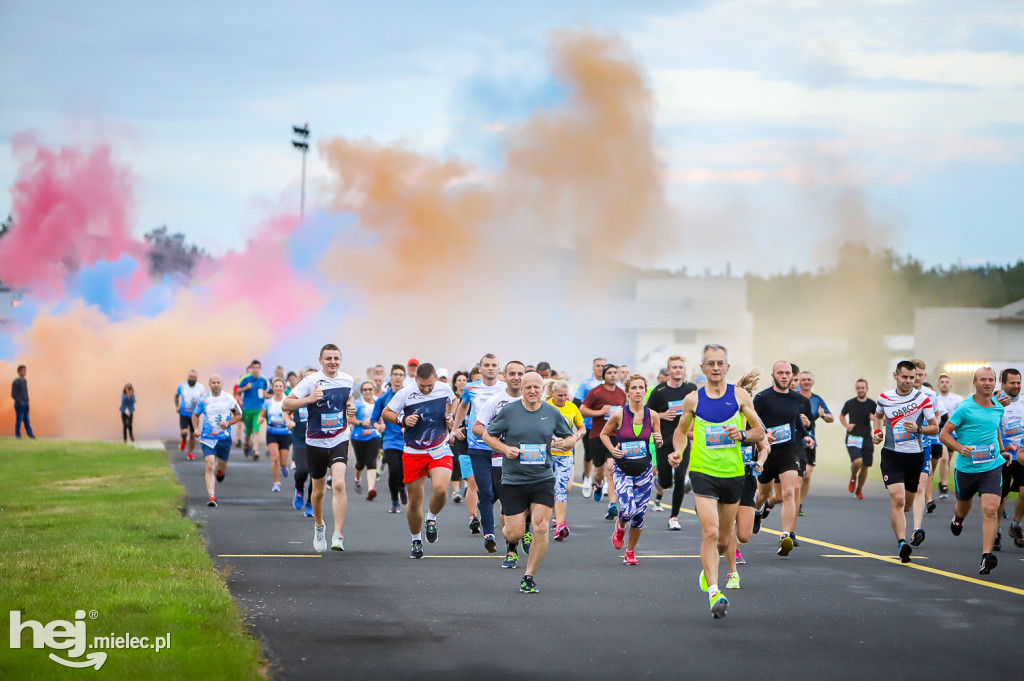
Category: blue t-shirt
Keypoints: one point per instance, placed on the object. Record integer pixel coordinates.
(581, 394)
(275, 417)
(816, 402)
(393, 438)
(476, 395)
(978, 427)
(364, 410)
(251, 398)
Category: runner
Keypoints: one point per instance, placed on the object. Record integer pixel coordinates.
(421, 409)
(185, 399)
(859, 419)
(1011, 432)
(596, 379)
(667, 401)
(394, 440)
(780, 411)
(819, 410)
(623, 375)
(513, 392)
(462, 467)
(602, 402)
(366, 441)
(474, 396)
(754, 456)
(717, 413)
(253, 389)
(977, 469)
(923, 499)
(557, 395)
(303, 500)
(633, 427)
(279, 436)
(327, 395)
(948, 401)
(220, 412)
(908, 416)
(525, 432)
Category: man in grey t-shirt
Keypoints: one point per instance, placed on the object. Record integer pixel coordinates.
(19, 393)
(528, 429)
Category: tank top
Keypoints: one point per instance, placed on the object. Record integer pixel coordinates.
(713, 453)
(635, 446)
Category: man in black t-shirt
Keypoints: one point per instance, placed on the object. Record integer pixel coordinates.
(667, 400)
(858, 417)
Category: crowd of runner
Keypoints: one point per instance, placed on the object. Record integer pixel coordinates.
(507, 433)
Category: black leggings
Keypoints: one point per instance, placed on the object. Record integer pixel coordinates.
(393, 460)
(126, 425)
(301, 470)
(366, 453)
(673, 477)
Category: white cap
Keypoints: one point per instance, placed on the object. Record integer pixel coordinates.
(442, 373)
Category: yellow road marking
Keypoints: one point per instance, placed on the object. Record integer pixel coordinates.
(268, 555)
(847, 555)
(492, 556)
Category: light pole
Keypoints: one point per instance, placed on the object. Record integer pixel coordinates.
(302, 144)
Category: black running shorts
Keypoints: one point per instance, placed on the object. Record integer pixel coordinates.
(320, 459)
(725, 490)
(778, 462)
(902, 468)
(516, 499)
(969, 484)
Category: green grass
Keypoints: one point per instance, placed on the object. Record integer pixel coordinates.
(98, 526)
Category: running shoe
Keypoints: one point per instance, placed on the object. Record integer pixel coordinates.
(800, 511)
(598, 491)
(587, 488)
(719, 604)
(284, 471)
(276, 487)
(561, 532)
(307, 510)
(657, 505)
(527, 542)
(403, 496)
(703, 581)
(297, 501)
(853, 485)
(618, 536)
(687, 487)
(673, 524)
(255, 454)
(220, 475)
(489, 544)
(247, 450)
(372, 494)
(181, 445)
(330, 483)
(932, 506)
(431, 529)
(740, 560)
(337, 542)
(457, 497)
(511, 560)
(792, 535)
(417, 549)
(943, 491)
(528, 586)
(956, 526)
(860, 494)
(319, 538)
(1017, 535)
(212, 501)
(997, 545)
(630, 559)
(766, 511)
(190, 456)
(612, 512)
(917, 538)
(988, 563)
(395, 507)
(474, 525)
(757, 522)
(359, 485)
(905, 551)
(785, 545)
(732, 580)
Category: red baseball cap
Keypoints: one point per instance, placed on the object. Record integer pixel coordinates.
(413, 360)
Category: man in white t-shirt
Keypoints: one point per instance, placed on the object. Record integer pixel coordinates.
(948, 401)
(422, 410)
(327, 396)
(185, 399)
(219, 411)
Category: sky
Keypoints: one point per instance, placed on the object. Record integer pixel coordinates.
(781, 127)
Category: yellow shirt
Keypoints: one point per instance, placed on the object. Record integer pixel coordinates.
(572, 414)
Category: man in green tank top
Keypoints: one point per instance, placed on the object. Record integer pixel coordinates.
(718, 413)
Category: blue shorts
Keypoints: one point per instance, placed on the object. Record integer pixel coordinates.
(927, 468)
(221, 450)
(465, 466)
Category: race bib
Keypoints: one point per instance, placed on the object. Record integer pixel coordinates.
(783, 433)
(303, 414)
(716, 438)
(855, 441)
(613, 410)
(440, 452)
(1011, 432)
(675, 406)
(633, 450)
(330, 421)
(533, 455)
(277, 421)
(900, 434)
(748, 455)
(983, 453)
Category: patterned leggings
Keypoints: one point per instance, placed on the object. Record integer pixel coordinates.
(563, 476)
(634, 495)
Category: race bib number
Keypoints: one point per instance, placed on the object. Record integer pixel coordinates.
(1011, 432)
(277, 421)
(855, 441)
(676, 407)
(783, 433)
(613, 410)
(440, 452)
(533, 455)
(715, 437)
(303, 414)
(330, 421)
(748, 455)
(900, 434)
(983, 453)
(633, 450)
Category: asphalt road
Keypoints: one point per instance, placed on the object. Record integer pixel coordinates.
(839, 607)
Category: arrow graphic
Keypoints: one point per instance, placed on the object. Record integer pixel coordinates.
(91, 660)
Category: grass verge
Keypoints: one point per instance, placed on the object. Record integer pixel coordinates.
(98, 527)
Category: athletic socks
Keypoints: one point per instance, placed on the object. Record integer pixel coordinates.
(431, 516)
(417, 537)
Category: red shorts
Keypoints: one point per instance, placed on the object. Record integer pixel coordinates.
(415, 466)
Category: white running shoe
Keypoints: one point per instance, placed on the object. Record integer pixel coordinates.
(276, 487)
(604, 488)
(337, 542)
(588, 487)
(673, 524)
(319, 538)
